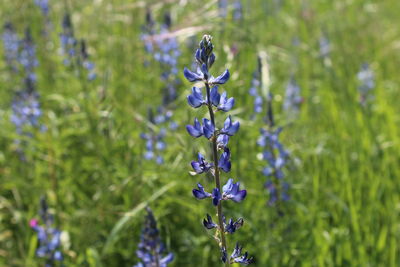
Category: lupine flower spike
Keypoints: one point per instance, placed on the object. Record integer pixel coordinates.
(255, 91)
(151, 250)
(25, 106)
(155, 143)
(11, 46)
(68, 41)
(276, 157)
(49, 241)
(218, 137)
(293, 99)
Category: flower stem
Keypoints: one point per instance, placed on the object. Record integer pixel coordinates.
(216, 175)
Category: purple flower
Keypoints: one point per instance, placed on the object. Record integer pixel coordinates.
(221, 79)
(224, 162)
(195, 130)
(192, 76)
(232, 226)
(151, 249)
(208, 128)
(231, 191)
(229, 127)
(208, 223)
(237, 256)
(222, 140)
(225, 104)
(196, 98)
(49, 238)
(200, 193)
(201, 165)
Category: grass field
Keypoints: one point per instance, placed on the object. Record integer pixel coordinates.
(344, 207)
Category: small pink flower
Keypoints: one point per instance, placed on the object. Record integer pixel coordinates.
(33, 223)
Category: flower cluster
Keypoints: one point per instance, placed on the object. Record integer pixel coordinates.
(255, 91)
(74, 52)
(148, 30)
(26, 111)
(237, 10)
(68, 41)
(44, 6)
(167, 55)
(164, 48)
(25, 106)
(223, 8)
(293, 98)
(276, 157)
(151, 249)
(154, 138)
(48, 236)
(367, 84)
(11, 46)
(27, 59)
(219, 138)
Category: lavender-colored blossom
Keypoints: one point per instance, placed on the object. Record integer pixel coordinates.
(25, 111)
(367, 83)
(68, 41)
(208, 128)
(232, 225)
(237, 256)
(195, 130)
(208, 223)
(219, 137)
(155, 143)
(255, 91)
(237, 10)
(151, 251)
(293, 98)
(44, 6)
(223, 8)
(48, 236)
(230, 191)
(201, 165)
(229, 127)
(27, 58)
(11, 45)
(224, 162)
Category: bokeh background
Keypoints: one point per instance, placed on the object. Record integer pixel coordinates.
(88, 157)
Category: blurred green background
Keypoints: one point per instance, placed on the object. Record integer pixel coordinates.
(344, 173)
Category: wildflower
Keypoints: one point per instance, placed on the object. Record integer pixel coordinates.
(68, 41)
(219, 137)
(367, 84)
(222, 8)
(151, 249)
(201, 165)
(44, 6)
(48, 236)
(155, 143)
(237, 10)
(27, 58)
(11, 46)
(276, 157)
(255, 91)
(293, 98)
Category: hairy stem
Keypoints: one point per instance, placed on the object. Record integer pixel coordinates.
(216, 175)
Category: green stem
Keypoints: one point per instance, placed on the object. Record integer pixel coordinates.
(216, 175)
